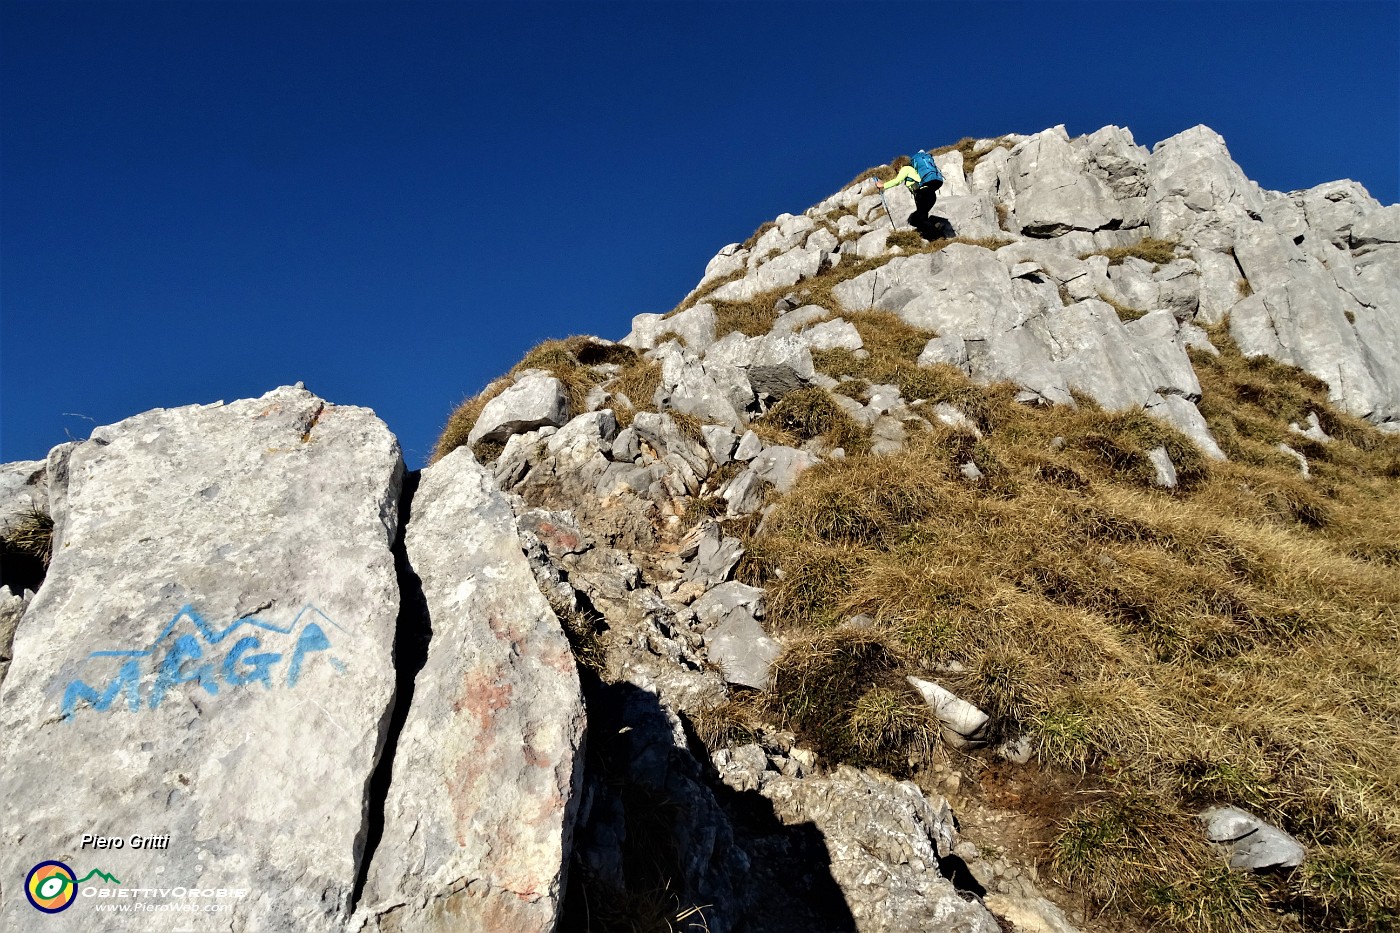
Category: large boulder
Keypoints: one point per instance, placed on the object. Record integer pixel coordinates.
(694, 325)
(536, 400)
(713, 391)
(209, 661)
(960, 289)
(480, 810)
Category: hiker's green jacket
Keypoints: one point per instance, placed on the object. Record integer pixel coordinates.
(907, 176)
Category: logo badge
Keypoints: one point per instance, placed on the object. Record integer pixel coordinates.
(51, 887)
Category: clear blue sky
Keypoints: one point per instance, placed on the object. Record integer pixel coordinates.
(392, 201)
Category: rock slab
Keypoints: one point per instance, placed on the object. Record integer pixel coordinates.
(209, 659)
(480, 811)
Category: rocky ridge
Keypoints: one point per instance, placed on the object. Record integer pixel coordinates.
(614, 478)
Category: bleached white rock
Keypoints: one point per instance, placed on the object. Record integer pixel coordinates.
(210, 655)
(962, 722)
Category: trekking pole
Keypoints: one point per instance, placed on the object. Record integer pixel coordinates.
(887, 206)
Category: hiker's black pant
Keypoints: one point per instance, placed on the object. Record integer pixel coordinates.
(922, 219)
(924, 199)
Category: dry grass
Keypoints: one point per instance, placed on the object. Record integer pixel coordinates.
(1232, 641)
(733, 722)
(808, 414)
(752, 318)
(911, 241)
(842, 690)
(32, 534)
(1149, 249)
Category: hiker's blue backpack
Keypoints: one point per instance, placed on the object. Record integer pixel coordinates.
(929, 175)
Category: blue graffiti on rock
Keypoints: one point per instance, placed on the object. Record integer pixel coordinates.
(212, 658)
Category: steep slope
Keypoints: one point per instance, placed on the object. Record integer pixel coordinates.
(1028, 567)
(1103, 459)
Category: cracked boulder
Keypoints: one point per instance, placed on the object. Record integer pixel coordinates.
(481, 803)
(210, 656)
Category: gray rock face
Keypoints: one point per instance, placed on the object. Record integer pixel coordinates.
(884, 839)
(1254, 844)
(1376, 228)
(960, 289)
(481, 804)
(781, 466)
(23, 488)
(833, 335)
(12, 608)
(774, 365)
(716, 392)
(1299, 316)
(535, 400)
(1196, 191)
(1054, 193)
(694, 325)
(742, 650)
(209, 657)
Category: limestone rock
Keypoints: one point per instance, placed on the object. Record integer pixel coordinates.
(1192, 186)
(694, 325)
(774, 365)
(962, 722)
(23, 488)
(1183, 415)
(832, 335)
(790, 322)
(12, 608)
(781, 466)
(535, 400)
(715, 392)
(479, 816)
(960, 289)
(742, 651)
(715, 558)
(720, 442)
(1030, 914)
(884, 839)
(749, 447)
(1254, 844)
(1165, 469)
(1297, 315)
(1376, 227)
(1054, 194)
(726, 599)
(210, 656)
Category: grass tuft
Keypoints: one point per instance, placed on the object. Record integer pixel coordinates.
(1150, 249)
(32, 535)
(809, 414)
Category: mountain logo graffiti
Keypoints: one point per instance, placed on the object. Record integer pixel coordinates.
(190, 650)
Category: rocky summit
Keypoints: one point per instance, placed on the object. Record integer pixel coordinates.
(1029, 565)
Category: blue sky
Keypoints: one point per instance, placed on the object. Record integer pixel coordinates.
(392, 201)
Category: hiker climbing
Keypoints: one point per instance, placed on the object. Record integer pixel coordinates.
(923, 176)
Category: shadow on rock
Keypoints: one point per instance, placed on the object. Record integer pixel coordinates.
(661, 843)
